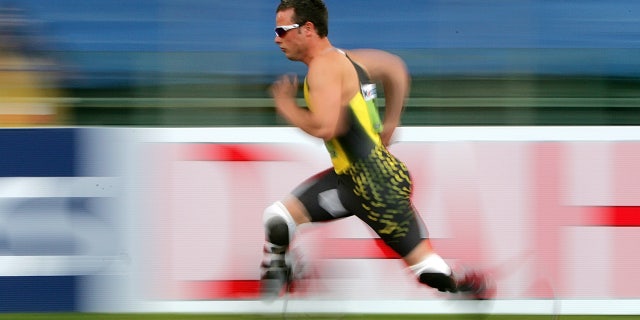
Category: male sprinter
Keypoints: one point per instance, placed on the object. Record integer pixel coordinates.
(366, 180)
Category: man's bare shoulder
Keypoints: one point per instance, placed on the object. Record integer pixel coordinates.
(377, 62)
(328, 65)
(369, 53)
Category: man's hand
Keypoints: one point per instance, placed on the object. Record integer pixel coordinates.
(284, 91)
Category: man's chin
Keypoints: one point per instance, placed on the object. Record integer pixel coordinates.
(292, 58)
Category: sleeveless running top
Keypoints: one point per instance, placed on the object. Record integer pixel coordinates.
(363, 127)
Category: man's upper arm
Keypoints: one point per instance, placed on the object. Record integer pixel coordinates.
(392, 72)
(325, 91)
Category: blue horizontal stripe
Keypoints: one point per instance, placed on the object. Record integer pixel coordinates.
(38, 294)
(37, 153)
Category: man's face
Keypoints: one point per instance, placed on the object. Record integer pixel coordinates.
(291, 41)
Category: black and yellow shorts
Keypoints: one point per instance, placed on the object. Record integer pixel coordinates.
(377, 190)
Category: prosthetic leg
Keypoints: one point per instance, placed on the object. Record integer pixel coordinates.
(276, 275)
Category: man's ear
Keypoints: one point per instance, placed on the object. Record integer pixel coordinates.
(309, 27)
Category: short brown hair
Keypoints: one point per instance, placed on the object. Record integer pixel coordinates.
(313, 11)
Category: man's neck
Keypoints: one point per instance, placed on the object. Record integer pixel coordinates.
(321, 47)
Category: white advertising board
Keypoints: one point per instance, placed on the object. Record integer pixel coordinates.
(553, 213)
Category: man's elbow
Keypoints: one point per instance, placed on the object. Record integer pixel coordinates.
(326, 133)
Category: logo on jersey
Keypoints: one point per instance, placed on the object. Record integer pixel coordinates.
(369, 91)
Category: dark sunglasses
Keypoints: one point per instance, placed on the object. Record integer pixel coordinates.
(282, 30)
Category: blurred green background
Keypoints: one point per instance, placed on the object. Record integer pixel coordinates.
(443, 100)
(210, 62)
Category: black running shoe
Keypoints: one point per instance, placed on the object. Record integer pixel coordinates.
(440, 281)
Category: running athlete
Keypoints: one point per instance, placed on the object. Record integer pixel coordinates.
(366, 180)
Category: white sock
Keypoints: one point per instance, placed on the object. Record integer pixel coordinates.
(433, 263)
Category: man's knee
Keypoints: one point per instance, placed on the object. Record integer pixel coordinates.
(279, 225)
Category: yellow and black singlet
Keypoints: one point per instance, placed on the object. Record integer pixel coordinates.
(363, 133)
(370, 182)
